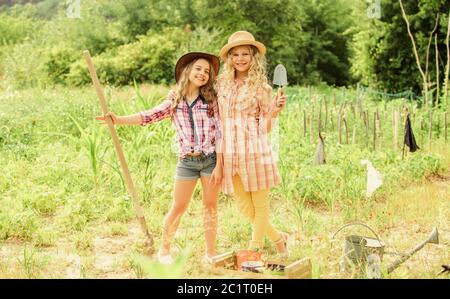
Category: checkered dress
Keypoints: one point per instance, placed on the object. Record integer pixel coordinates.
(246, 147)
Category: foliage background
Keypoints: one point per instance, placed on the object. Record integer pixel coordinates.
(326, 41)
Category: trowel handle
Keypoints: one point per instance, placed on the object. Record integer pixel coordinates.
(279, 91)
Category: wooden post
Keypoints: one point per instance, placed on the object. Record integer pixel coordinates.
(311, 125)
(430, 129)
(378, 125)
(326, 114)
(331, 119)
(304, 123)
(334, 95)
(366, 125)
(339, 126)
(346, 128)
(374, 131)
(438, 126)
(445, 127)
(319, 118)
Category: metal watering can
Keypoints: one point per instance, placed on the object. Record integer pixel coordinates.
(362, 251)
(368, 252)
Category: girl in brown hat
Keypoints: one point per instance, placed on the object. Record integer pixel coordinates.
(247, 112)
(194, 114)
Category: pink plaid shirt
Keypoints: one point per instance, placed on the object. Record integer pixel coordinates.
(196, 131)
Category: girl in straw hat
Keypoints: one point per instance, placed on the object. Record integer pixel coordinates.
(247, 112)
(194, 114)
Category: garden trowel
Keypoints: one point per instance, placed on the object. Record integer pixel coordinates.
(280, 79)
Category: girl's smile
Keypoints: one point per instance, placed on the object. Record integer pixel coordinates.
(199, 74)
(241, 58)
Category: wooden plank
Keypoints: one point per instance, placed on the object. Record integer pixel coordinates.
(299, 269)
(225, 265)
(225, 260)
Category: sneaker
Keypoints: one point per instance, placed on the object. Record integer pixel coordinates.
(165, 259)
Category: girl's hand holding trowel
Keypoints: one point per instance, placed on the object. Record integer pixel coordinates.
(279, 102)
(280, 80)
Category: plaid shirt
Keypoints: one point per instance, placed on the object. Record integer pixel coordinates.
(196, 131)
(247, 151)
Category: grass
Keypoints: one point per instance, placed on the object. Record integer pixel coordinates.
(62, 196)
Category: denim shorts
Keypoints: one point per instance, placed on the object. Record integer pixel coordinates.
(192, 168)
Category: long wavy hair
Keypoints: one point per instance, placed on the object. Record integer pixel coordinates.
(207, 91)
(257, 74)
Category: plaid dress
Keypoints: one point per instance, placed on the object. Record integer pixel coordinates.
(197, 132)
(246, 147)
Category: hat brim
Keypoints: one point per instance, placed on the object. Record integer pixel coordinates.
(224, 52)
(187, 58)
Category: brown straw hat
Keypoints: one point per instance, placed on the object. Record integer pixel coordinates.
(188, 57)
(241, 38)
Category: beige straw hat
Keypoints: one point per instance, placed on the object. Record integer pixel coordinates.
(241, 38)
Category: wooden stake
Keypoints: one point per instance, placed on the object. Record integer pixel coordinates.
(304, 123)
(339, 126)
(334, 95)
(445, 127)
(346, 128)
(374, 131)
(366, 124)
(430, 128)
(354, 134)
(319, 118)
(326, 114)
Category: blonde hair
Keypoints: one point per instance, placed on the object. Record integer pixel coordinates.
(257, 74)
(207, 91)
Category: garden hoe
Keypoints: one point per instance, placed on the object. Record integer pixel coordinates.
(148, 247)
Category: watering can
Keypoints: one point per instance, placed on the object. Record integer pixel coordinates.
(368, 251)
(361, 250)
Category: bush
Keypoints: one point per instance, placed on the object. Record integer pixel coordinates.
(151, 59)
(58, 63)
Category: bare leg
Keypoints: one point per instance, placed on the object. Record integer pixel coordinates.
(181, 198)
(210, 195)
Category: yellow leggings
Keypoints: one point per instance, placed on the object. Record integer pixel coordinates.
(255, 206)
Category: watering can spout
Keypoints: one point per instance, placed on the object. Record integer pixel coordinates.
(434, 236)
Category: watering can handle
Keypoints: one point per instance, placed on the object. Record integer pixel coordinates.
(357, 223)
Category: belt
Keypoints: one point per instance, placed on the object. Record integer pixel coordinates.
(198, 156)
(194, 154)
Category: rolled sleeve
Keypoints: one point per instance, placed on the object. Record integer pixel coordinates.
(157, 113)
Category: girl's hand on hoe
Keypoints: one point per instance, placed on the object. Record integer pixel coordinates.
(278, 103)
(216, 176)
(114, 118)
